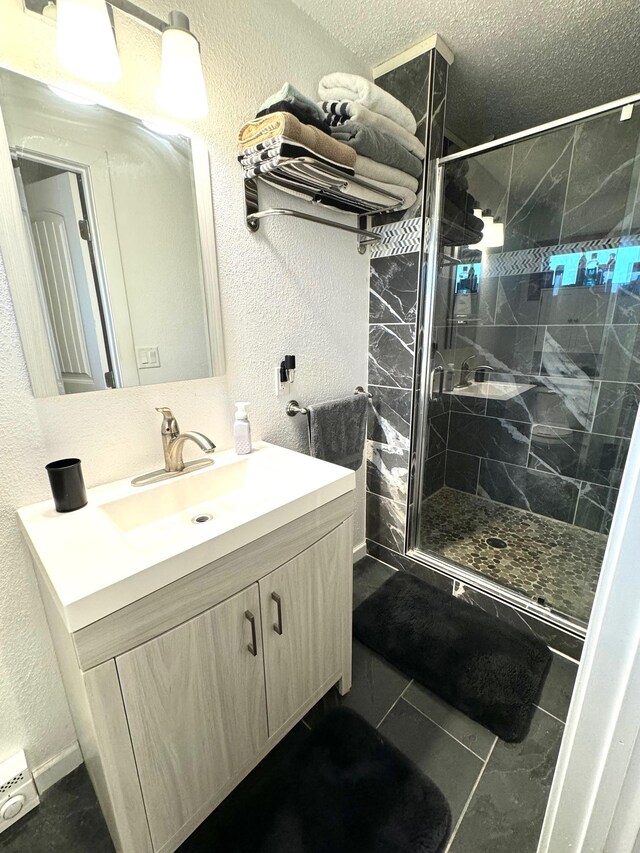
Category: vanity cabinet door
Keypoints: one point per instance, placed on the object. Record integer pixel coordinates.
(195, 703)
(303, 608)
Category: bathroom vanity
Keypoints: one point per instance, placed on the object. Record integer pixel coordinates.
(195, 622)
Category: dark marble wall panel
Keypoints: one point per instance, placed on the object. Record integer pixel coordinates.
(393, 283)
(627, 308)
(595, 507)
(420, 84)
(573, 351)
(544, 494)
(438, 429)
(434, 474)
(391, 355)
(489, 177)
(390, 417)
(462, 472)
(439, 78)
(616, 408)
(621, 356)
(564, 402)
(550, 401)
(411, 83)
(529, 299)
(506, 349)
(537, 190)
(477, 308)
(519, 299)
(472, 405)
(385, 521)
(586, 456)
(387, 471)
(489, 438)
(601, 192)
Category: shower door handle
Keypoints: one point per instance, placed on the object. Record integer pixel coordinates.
(436, 372)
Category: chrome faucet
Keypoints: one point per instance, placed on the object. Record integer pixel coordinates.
(466, 370)
(173, 442)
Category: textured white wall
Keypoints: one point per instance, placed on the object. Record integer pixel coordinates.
(294, 287)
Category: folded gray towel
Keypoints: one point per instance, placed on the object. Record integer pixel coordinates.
(379, 146)
(337, 430)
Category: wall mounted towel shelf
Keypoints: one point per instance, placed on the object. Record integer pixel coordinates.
(319, 184)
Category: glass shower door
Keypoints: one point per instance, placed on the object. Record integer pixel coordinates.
(534, 359)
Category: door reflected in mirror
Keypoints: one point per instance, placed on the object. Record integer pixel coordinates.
(111, 217)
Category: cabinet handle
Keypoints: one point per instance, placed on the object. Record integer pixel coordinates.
(277, 626)
(253, 645)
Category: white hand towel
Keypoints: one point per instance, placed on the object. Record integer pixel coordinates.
(367, 168)
(340, 86)
(363, 115)
(408, 197)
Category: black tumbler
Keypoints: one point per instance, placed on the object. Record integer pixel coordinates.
(67, 485)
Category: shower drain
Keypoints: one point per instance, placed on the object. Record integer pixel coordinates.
(495, 542)
(202, 518)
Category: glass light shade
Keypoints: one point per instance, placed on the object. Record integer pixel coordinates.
(492, 233)
(496, 235)
(182, 89)
(86, 44)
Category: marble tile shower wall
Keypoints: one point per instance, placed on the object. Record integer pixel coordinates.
(559, 448)
(395, 273)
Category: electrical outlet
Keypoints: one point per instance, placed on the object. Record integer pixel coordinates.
(282, 388)
(18, 794)
(147, 357)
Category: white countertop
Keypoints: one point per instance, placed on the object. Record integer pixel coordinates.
(98, 559)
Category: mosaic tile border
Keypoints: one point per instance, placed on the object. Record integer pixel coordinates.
(398, 238)
(535, 260)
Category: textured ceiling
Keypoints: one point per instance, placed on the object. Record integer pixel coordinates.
(518, 64)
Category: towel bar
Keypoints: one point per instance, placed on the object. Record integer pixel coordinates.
(294, 408)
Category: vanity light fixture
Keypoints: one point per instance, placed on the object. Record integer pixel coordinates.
(182, 89)
(87, 47)
(492, 233)
(86, 43)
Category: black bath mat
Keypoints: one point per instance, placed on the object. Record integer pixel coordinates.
(481, 665)
(345, 789)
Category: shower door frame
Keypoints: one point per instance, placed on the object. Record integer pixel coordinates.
(430, 251)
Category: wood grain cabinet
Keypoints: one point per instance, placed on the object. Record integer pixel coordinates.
(171, 719)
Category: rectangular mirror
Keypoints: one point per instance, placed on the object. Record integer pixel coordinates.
(110, 224)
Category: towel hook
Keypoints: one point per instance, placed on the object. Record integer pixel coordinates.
(294, 408)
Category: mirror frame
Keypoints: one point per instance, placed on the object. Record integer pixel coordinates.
(20, 265)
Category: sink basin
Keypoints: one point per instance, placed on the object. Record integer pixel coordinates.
(492, 390)
(128, 542)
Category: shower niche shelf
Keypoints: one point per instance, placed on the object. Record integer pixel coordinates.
(323, 185)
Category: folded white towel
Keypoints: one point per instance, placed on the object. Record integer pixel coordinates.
(367, 168)
(408, 197)
(340, 86)
(340, 111)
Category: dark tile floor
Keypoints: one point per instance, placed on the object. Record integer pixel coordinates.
(542, 558)
(497, 791)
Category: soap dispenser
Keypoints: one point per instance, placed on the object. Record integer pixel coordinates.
(242, 430)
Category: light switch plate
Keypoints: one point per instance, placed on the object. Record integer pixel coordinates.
(147, 357)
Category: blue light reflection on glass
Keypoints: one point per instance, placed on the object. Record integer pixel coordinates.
(468, 278)
(608, 267)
